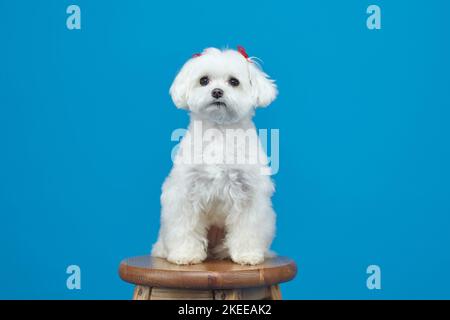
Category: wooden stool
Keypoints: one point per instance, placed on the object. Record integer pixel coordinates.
(158, 279)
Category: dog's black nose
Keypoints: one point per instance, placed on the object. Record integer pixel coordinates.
(217, 93)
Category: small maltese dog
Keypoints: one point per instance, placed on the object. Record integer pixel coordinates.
(215, 180)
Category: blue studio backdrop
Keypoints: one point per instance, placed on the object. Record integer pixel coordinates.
(363, 118)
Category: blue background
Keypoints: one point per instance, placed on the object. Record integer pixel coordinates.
(86, 119)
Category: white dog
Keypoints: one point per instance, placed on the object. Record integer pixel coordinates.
(214, 180)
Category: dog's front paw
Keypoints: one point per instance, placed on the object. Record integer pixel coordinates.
(248, 258)
(185, 257)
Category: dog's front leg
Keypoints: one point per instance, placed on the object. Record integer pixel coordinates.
(183, 232)
(250, 233)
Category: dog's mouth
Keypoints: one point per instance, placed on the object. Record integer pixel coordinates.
(218, 104)
(219, 112)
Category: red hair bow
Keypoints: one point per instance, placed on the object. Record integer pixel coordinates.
(240, 49)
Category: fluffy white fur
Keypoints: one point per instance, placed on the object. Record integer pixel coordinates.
(236, 196)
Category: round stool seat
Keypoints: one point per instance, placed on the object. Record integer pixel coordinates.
(209, 275)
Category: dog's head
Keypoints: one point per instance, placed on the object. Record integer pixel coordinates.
(223, 86)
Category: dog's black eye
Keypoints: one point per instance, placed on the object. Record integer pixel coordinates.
(233, 82)
(204, 81)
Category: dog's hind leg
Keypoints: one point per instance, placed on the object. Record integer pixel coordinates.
(159, 249)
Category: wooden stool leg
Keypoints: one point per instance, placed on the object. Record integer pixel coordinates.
(145, 293)
(274, 292)
(233, 294)
(180, 294)
(142, 293)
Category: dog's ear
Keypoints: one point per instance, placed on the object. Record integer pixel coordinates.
(179, 90)
(264, 89)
